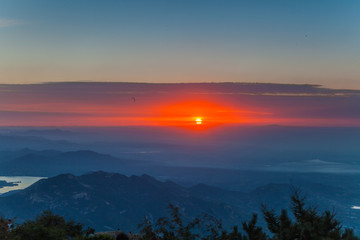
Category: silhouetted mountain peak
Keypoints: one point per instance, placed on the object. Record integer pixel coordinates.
(65, 176)
(149, 178)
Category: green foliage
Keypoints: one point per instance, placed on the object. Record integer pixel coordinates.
(49, 226)
(205, 227)
(307, 224)
(147, 231)
(5, 228)
(170, 228)
(253, 232)
(98, 237)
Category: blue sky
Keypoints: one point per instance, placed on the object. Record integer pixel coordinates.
(181, 41)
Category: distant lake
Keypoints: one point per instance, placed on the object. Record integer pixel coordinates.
(21, 181)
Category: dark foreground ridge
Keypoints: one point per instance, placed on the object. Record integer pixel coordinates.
(111, 201)
(307, 223)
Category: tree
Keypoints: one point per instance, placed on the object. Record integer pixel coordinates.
(49, 226)
(253, 232)
(173, 227)
(5, 228)
(308, 224)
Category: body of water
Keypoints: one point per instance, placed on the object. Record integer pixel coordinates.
(21, 182)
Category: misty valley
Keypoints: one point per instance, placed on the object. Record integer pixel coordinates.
(111, 178)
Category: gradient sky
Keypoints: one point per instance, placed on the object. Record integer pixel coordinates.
(124, 104)
(282, 41)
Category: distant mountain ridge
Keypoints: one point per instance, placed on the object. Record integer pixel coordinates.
(51, 162)
(109, 200)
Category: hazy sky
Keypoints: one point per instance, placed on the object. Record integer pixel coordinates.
(297, 41)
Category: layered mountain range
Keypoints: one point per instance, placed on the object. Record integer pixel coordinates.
(108, 201)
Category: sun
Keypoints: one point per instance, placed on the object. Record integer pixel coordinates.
(194, 114)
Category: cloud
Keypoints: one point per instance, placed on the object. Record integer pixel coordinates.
(256, 103)
(4, 22)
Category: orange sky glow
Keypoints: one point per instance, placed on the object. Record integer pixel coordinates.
(179, 113)
(96, 104)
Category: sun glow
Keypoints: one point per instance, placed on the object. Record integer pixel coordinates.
(193, 113)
